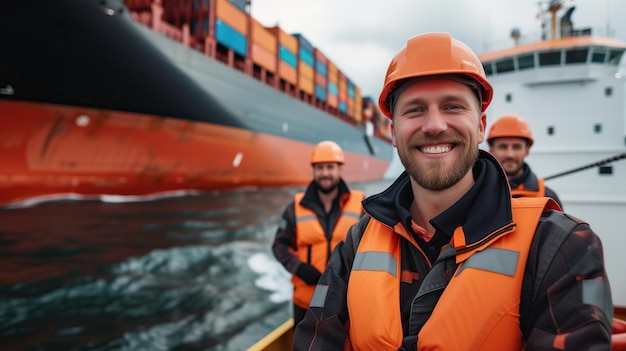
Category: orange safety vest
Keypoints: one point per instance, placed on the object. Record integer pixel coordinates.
(521, 192)
(311, 242)
(479, 308)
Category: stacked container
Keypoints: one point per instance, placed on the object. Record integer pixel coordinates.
(224, 30)
(231, 27)
(305, 64)
(321, 75)
(332, 87)
(263, 47)
(343, 93)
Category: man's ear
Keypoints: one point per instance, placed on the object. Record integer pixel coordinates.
(482, 125)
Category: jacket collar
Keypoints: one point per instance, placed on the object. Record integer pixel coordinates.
(528, 178)
(485, 208)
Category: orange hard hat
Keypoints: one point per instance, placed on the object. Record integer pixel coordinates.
(510, 126)
(434, 54)
(327, 151)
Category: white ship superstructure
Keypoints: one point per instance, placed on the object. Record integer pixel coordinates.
(570, 88)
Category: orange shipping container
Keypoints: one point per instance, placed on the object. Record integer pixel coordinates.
(358, 113)
(332, 100)
(358, 105)
(263, 37)
(287, 40)
(286, 72)
(232, 16)
(319, 56)
(351, 108)
(306, 85)
(332, 73)
(306, 71)
(320, 80)
(263, 58)
(343, 95)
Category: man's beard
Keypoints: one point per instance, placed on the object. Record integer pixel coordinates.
(329, 189)
(434, 176)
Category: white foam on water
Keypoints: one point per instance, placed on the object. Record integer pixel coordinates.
(272, 277)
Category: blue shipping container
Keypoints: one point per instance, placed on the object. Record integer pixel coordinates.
(287, 56)
(350, 90)
(304, 43)
(320, 67)
(332, 88)
(229, 37)
(240, 4)
(320, 92)
(306, 56)
(343, 107)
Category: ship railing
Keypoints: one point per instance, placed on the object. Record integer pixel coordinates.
(591, 165)
(533, 37)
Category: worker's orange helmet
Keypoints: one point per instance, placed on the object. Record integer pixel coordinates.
(434, 54)
(510, 126)
(327, 151)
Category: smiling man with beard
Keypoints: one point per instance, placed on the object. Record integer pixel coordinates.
(314, 222)
(445, 258)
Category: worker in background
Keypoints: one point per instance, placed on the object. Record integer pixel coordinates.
(314, 222)
(445, 258)
(509, 141)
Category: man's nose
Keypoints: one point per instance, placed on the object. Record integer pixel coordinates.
(434, 122)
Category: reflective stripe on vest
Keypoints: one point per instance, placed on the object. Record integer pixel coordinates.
(312, 244)
(521, 192)
(478, 310)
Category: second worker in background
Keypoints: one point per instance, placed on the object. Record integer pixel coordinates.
(509, 142)
(314, 222)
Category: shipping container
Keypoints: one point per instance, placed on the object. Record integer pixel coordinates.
(305, 77)
(332, 74)
(304, 43)
(230, 38)
(240, 4)
(263, 58)
(358, 105)
(262, 37)
(320, 92)
(231, 15)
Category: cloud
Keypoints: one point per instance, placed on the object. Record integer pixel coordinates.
(361, 36)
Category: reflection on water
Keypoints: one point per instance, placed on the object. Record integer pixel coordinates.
(185, 273)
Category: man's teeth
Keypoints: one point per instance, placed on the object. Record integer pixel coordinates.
(435, 149)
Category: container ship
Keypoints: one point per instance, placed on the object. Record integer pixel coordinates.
(143, 98)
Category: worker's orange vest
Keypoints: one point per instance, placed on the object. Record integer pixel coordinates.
(479, 308)
(521, 192)
(312, 243)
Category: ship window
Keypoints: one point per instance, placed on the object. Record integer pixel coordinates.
(505, 65)
(550, 130)
(508, 97)
(608, 91)
(526, 61)
(615, 56)
(549, 58)
(605, 170)
(488, 68)
(576, 55)
(597, 128)
(598, 55)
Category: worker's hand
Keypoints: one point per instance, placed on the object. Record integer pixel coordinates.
(308, 273)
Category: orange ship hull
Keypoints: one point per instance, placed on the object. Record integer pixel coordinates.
(51, 150)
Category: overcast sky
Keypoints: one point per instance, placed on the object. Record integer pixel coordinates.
(361, 36)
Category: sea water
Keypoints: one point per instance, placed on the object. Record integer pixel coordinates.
(179, 273)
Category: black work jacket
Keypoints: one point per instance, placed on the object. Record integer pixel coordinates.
(564, 252)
